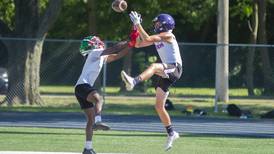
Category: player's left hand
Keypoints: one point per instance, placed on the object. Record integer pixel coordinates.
(135, 17)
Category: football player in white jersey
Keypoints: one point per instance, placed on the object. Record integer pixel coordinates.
(169, 71)
(88, 97)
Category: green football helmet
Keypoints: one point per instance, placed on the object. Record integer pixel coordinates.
(90, 43)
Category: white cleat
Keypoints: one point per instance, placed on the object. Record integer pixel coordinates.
(128, 81)
(170, 140)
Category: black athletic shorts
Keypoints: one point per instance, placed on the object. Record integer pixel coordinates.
(81, 92)
(174, 72)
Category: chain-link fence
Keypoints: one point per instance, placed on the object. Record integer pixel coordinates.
(61, 63)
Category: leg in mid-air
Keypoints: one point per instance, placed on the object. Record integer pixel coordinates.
(97, 99)
(155, 68)
(161, 97)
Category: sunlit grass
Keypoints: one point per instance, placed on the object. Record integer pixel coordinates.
(72, 140)
(125, 105)
(174, 91)
(61, 99)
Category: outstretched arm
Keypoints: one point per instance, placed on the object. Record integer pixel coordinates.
(122, 53)
(122, 48)
(147, 39)
(140, 43)
(116, 48)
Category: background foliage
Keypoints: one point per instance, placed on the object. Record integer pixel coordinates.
(195, 22)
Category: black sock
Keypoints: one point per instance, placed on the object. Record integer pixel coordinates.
(137, 80)
(169, 130)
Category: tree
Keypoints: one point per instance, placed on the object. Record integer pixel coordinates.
(256, 17)
(31, 21)
(262, 38)
(253, 27)
(92, 16)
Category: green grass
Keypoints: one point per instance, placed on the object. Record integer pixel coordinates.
(72, 140)
(124, 105)
(61, 99)
(209, 92)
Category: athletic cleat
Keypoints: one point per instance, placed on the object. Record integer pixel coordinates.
(170, 140)
(89, 151)
(100, 126)
(128, 81)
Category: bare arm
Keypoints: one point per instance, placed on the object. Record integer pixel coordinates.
(147, 40)
(116, 48)
(140, 43)
(122, 53)
(136, 20)
(165, 36)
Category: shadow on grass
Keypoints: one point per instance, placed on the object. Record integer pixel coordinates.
(141, 109)
(136, 94)
(39, 109)
(37, 133)
(179, 110)
(142, 134)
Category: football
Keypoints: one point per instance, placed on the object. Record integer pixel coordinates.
(119, 5)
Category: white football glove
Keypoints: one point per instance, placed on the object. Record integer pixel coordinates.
(135, 17)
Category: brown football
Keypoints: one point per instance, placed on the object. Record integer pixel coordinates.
(119, 5)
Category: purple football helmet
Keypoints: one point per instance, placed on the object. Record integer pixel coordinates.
(163, 23)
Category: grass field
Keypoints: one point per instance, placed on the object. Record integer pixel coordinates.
(121, 105)
(61, 99)
(208, 92)
(72, 140)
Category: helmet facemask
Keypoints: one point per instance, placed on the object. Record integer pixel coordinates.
(90, 44)
(158, 27)
(163, 23)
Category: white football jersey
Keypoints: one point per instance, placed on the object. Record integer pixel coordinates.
(92, 67)
(169, 52)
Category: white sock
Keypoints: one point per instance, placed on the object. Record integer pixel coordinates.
(88, 145)
(98, 118)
